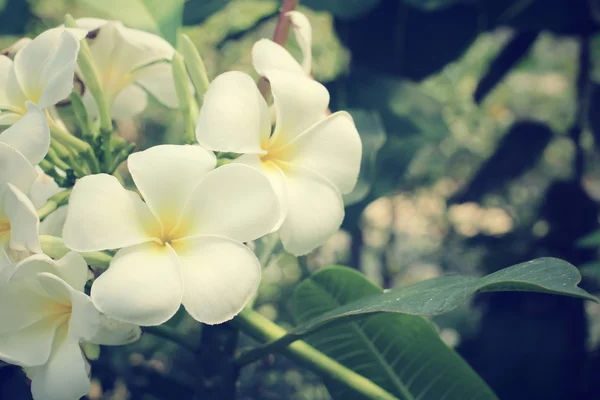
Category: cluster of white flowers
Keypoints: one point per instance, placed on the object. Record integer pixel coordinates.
(183, 240)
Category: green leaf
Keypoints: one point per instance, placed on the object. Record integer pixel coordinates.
(591, 240)
(345, 9)
(441, 295)
(156, 16)
(373, 136)
(401, 353)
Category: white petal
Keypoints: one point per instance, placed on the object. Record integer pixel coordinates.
(5, 67)
(303, 33)
(43, 188)
(276, 178)
(45, 67)
(9, 118)
(73, 269)
(54, 223)
(32, 345)
(30, 135)
(103, 215)
(118, 51)
(22, 306)
(142, 286)
(157, 79)
(114, 333)
(65, 375)
(129, 102)
(333, 149)
(221, 275)
(234, 116)
(315, 211)
(166, 175)
(24, 221)
(15, 168)
(300, 102)
(234, 201)
(268, 55)
(90, 24)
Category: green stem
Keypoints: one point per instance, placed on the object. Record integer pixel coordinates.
(81, 147)
(55, 159)
(171, 334)
(53, 203)
(55, 248)
(91, 77)
(264, 330)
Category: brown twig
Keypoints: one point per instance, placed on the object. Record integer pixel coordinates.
(280, 36)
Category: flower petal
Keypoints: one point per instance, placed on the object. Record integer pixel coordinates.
(30, 135)
(234, 116)
(142, 286)
(54, 223)
(315, 211)
(65, 375)
(43, 188)
(129, 102)
(268, 55)
(15, 168)
(234, 201)
(30, 346)
(166, 175)
(114, 333)
(303, 33)
(45, 66)
(24, 221)
(73, 269)
(157, 79)
(5, 67)
(103, 215)
(21, 306)
(332, 148)
(221, 275)
(276, 178)
(300, 102)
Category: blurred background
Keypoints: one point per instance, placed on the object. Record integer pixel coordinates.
(480, 122)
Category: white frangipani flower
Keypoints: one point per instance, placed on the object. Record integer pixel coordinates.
(21, 147)
(310, 158)
(182, 244)
(45, 315)
(42, 72)
(130, 64)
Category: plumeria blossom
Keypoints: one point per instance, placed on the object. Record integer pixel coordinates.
(22, 146)
(182, 244)
(42, 73)
(303, 33)
(130, 64)
(45, 315)
(310, 158)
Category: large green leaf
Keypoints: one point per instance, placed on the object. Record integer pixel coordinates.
(157, 16)
(401, 353)
(441, 295)
(373, 136)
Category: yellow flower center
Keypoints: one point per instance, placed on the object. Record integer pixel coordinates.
(4, 231)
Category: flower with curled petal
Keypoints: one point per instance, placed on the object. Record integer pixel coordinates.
(45, 316)
(182, 244)
(130, 63)
(22, 146)
(42, 72)
(310, 158)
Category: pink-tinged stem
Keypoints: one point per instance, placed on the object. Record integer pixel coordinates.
(280, 36)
